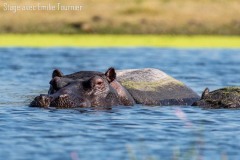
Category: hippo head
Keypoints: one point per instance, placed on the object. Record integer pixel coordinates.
(91, 90)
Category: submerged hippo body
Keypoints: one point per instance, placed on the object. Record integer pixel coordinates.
(228, 97)
(88, 88)
(84, 89)
(151, 86)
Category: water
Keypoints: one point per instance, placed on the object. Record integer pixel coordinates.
(138, 132)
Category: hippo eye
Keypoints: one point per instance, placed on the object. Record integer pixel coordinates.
(99, 82)
(93, 82)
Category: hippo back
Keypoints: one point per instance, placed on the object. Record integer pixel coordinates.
(153, 87)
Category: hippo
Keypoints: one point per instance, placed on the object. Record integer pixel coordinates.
(228, 97)
(147, 86)
(84, 89)
(153, 87)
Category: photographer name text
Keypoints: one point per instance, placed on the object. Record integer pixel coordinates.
(41, 7)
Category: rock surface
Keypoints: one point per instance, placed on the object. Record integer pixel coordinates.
(151, 86)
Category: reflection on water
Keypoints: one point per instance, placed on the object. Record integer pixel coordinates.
(138, 132)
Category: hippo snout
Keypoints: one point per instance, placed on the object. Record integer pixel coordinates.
(60, 101)
(41, 101)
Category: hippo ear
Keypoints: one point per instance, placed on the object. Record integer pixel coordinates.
(205, 93)
(110, 74)
(57, 73)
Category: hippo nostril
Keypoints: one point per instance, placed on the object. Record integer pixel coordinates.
(42, 98)
(41, 101)
(47, 100)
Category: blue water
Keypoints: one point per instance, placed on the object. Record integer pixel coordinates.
(139, 132)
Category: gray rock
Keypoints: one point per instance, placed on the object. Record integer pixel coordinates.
(151, 86)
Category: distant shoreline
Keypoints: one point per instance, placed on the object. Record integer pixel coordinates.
(108, 40)
(165, 17)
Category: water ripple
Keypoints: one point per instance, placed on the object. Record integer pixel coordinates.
(138, 132)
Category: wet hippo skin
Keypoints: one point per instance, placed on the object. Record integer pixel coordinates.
(84, 89)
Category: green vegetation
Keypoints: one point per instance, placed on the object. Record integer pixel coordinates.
(231, 90)
(191, 17)
(54, 40)
(110, 23)
(152, 86)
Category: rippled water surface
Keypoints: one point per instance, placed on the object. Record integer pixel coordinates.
(138, 132)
